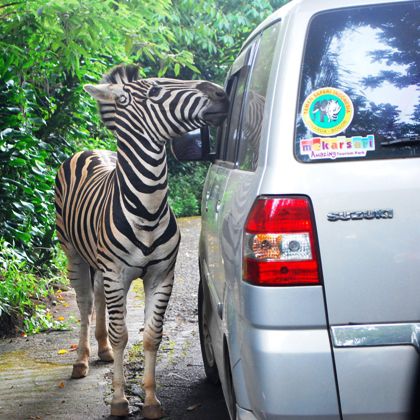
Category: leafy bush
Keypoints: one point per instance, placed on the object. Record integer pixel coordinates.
(182, 200)
(26, 189)
(185, 186)
(23, 295)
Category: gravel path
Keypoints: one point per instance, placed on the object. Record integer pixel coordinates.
(183, 389)
(35, 378)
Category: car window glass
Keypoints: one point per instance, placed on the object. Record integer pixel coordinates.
(255, 100)
(359, 94)
(233, 134)
(221, 136)
(228, 133)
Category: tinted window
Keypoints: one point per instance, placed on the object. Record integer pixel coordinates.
(228, 133)
(255, 100)
(359, 94)
(236, 102)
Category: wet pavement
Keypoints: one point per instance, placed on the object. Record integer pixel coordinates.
(35, 371)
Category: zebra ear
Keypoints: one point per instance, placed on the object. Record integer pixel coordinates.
(102, 92)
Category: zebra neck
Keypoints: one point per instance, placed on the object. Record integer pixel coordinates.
(141, 177)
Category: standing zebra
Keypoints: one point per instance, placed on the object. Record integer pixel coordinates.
(113, 218)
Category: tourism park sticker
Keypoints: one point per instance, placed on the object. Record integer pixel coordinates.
(327, 111)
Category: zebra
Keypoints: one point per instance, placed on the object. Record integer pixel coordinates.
(113, 218)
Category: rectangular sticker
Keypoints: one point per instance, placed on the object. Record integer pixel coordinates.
(337, 147)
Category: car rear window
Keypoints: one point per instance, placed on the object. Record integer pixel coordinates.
(359, 89)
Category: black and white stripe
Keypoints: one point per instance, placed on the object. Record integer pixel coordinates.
(113, 217)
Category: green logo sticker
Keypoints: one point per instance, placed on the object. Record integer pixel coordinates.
(327, 111)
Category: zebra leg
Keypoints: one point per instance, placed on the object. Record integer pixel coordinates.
(101, 333)
(157, 298)
(80, 279)
(115, 296)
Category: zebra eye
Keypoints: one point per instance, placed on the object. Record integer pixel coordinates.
(123, 99)
(154, 91)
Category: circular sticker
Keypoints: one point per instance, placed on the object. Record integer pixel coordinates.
(327, 111)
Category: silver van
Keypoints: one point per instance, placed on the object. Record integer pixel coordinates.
(309, 301)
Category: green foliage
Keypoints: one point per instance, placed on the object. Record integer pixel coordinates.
(26, 189)
(185, 186)
(215, 30)
(23, 294)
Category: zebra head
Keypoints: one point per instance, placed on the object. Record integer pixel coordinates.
(158, 108)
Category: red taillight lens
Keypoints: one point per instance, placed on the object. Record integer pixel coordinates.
(279, 243)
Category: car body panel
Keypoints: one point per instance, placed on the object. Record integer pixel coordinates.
(370, 390)
(279, 361)
(214, 192)
(279, 339)
(283, 307)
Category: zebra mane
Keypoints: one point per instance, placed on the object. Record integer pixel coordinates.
(123, 73)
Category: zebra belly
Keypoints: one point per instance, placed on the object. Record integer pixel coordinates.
(142, 253)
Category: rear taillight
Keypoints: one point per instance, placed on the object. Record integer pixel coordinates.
(279, 243)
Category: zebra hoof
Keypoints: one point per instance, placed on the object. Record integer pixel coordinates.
(120, 408)
(80, 370)
(152, 411)
(106, 355)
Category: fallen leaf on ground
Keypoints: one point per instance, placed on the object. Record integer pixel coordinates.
(193, 407)
(60, 318)
(73, 347)
(61, 385)
(62, 351)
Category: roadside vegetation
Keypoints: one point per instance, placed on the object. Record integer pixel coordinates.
(49, 49)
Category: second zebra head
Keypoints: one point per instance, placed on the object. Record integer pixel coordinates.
(157, 108)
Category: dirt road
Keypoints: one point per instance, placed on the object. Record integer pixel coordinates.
(35, 371)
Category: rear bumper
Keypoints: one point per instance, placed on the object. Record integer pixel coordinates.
(284, 367)
(287, 374)
(290, 375)
(375, 369)
(281, 355)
